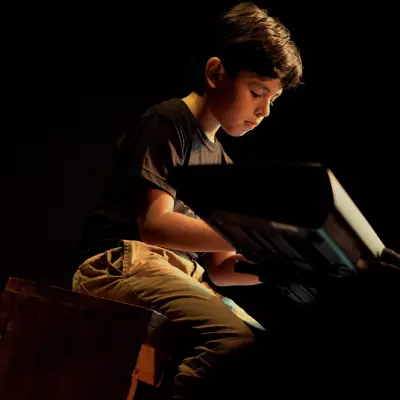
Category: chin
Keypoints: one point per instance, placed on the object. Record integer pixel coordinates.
(236, 132)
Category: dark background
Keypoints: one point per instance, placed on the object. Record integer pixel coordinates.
(62, 114)
(73, 80)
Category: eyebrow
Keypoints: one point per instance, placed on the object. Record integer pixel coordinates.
(266, 88)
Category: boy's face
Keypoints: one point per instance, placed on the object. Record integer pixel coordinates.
(240, 104)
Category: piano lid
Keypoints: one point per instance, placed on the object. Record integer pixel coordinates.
(293, 199)
(292, 194)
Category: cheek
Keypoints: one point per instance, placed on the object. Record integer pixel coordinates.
(234, 107)
(234, 124)
(243, 101)
(239, 101)
(230, 117)
(240, 109)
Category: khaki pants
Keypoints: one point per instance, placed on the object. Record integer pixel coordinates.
(220, 338)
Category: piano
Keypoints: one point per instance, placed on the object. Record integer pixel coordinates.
(295, 221)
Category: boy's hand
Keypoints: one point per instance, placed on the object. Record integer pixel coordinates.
(223, 273)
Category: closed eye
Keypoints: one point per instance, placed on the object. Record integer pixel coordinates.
(254, 94)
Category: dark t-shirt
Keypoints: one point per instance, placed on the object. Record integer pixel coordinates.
(166, 136)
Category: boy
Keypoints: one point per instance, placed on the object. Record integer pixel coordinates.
(144, 246)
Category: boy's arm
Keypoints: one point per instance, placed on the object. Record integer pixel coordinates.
(159, 225)
(161, 146)
(221, 270)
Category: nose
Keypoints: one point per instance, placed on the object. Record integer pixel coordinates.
(264, 109)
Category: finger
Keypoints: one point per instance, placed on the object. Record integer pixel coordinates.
(241, 257)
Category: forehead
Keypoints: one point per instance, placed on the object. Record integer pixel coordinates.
(273, 85)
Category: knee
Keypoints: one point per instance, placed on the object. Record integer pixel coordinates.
(245, 336)
(236, 362)
(224, 357)
(239, 343)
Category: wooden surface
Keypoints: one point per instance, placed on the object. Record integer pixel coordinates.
(57, 344)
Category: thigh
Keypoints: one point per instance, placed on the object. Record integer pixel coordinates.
(206, 333)
(151, 281)
(193, 309)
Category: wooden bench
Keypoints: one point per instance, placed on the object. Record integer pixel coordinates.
(57, 344)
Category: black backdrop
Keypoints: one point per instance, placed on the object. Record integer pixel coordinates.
(73, 80)
(61, 116)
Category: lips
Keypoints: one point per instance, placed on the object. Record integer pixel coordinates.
(254, 124)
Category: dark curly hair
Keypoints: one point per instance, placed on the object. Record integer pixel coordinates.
(247, 38)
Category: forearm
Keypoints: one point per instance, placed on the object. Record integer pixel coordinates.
(180, 232)
(232, 278)
(221, 270)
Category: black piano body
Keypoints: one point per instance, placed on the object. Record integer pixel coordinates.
(297, 217)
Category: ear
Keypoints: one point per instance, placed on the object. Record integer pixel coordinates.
(214, 72)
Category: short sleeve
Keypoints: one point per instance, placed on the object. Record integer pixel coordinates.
(159, 146)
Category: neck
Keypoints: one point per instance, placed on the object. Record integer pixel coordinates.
(199, 106)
